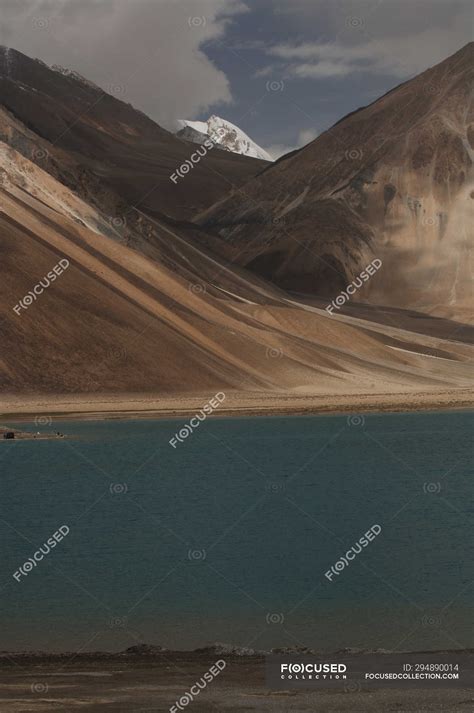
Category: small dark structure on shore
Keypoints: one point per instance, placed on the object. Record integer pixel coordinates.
(9, 434)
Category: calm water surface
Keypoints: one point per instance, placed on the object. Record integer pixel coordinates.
(228, 537)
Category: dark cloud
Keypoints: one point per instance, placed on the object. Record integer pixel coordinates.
(396, 38)
(189, 58)
(148, 50)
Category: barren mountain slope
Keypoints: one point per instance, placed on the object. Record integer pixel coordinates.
(113, 143)
(183, 322)
(393, 180)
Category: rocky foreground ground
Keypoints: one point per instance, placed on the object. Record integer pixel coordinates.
(155, 682)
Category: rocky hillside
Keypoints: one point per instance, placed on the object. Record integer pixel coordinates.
(393, 181)
(102, 295)
(94, 139)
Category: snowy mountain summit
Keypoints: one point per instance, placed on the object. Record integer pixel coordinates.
(223, 134)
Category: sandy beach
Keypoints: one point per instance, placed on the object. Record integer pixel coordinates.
(113, 406)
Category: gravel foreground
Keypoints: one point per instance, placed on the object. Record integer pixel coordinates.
(95, 683)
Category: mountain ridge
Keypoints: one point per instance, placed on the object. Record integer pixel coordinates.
(388, 180)
(146, 303)
(112, 141)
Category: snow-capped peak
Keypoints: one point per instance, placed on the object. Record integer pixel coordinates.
(223, 134)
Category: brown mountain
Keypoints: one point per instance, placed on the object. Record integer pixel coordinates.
(393, 180)
(109, 143)
(141, 305)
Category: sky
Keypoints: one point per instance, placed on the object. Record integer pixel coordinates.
(282, 70)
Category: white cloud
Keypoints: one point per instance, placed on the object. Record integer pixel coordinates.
(150, 48)
(305, 136)
(321, 70)
(277, 150)
(400, 55)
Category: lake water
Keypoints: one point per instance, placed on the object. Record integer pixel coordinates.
(227, 538)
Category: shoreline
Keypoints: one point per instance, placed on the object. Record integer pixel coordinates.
(158, 681)
(97, 407)
(150, 652)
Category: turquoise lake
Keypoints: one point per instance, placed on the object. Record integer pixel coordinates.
(228, 536)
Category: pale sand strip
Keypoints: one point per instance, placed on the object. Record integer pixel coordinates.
(128, 406)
